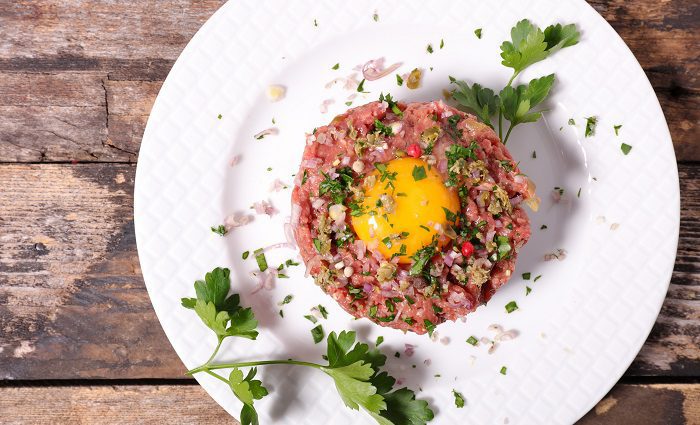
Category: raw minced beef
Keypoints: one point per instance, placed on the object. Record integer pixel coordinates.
(491, 189)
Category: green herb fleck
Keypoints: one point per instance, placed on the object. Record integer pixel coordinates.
(317, 334)
(429, 326)
(625, 148)
(571, 121)
(442, 43)
(617, 129)
(511, 307)
(590, 126)
(526, 276)
(245, 255)
(477, 32)
(542, 227)
(459, 399)
(311, 318)
(503, 370)
(399, 80)
(379, 341)
(323, 311)
(537, 278)
(287, 299)
(429, 49)
(534, 155)
(260, 259)
(336, 66)
(472, 340)
(361, 86)
(220, 116)
(219, 230)
(527, 290)
(375, 17)
(418, 173)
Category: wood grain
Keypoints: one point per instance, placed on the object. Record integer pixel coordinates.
(73, 303)
(79, 86)
(662, 404)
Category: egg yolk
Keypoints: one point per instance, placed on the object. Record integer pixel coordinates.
(405, 200)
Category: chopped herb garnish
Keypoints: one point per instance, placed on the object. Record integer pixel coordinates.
(472, 340)
(426, 228)
(260, 259)
(372, 311)
(590, 126)
(617, 129)
(387, 319)
(397, 354)
(291, 262)
(511, 307)
(571, 121)
(323, 311)
(317, 245)
(437, 309)
(409, 300)
(537, 278)
(315, 23)
(477, 32)
(380, 128)
(219, 230)
(311, 318)
(393, 105)
(578, 194)
(449, 215)
(409, 320)
(429, 49)
(527, 290)
(379, 341)
(399, 80)
(375, 17)
(429, 326)
(418, 173)
(542, 227)
(459, 399)
(219, 116)
(503, 370)
(348, 103)
(625, 148)
(287, 299)
(304, 177)
(504, 247)
(245, 255)
(526, 276)
(317, 333)
(421, 258)
(335, 67)
(442, 43)
(281, 314)
(361, 86)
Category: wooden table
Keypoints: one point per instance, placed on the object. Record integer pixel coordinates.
(79, 342)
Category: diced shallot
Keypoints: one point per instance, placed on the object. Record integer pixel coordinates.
(264, 207)
(374, 69)
(272, 131)
(409, 349)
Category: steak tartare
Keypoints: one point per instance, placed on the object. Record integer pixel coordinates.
(409, 214)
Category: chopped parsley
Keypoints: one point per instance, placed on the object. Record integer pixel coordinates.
(361, 86)
(503, 370)
(437, 309)
(392, 104)
(429, 49)
(459, 399)
(381, 128)
(348, 103)
(260, 259)
(511, 306)
(379, 341)
(335, 67)
(590, 126)
(426, 228)
(245, 255)
(409, 300)
(429, 326)
(526, 276)
(304, 177)
(337, 188)
(219, 230)
(372, 311)
(617, 129)
(399, 80)
(571, 121)
(323, 311)
(221, 116)
(506, 165)
(317, 245)
(449, 215)
(418, 173)
(625, 148)
(578, 194)
(311, 318)
(375, 17)
(472, 340)
(442, 43)
(317, 334)
(287, 299)
(504, 248)
(527, 290)
(477, 33)
(543, 227)
(537, 278)
(421, 258)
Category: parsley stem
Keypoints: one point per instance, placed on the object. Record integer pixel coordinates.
(217, 376)
(508, 134)
(207, 367)
(500, 124)
(515, 74)
(216, 350)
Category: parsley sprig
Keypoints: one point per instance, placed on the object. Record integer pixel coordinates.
(353, 366)
(528, 45)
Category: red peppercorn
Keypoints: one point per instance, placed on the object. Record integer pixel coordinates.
(467, 249)
(414, 150)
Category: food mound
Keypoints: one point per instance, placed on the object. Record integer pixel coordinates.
(409, 214)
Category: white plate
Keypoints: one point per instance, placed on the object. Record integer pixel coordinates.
(585, 319)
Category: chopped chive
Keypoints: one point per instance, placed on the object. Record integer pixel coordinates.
(511, 307)
(260, 259)
(590, 126)
(219, 230)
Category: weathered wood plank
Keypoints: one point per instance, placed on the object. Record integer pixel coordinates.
(113, 41)
(72, 300)
(73, 303)
(663, 404)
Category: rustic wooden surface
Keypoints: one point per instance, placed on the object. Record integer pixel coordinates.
(77, 80)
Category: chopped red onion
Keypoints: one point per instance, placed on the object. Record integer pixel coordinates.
(289, 235)
(374, 69)
(325, 104)
(277, 185)
(409, 349)
(234, 160)
(264, 207)
(236, 220)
